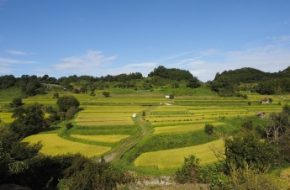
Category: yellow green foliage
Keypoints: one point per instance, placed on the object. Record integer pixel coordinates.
(101, 138)
(174, 158)
(55, 145)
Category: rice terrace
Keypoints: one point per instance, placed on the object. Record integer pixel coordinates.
(148, 132)
(149, 95)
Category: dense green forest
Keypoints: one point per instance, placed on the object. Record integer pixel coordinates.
(227, 83)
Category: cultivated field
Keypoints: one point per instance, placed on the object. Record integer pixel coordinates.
(159, 137)
(55, 145)
(174, 158)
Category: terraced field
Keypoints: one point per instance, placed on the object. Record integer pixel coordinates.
(101, 138)
(6, 117)
(107, 115)
(158, 138)
(185, 127)
(55, 145)
(188, 115)
(174, 158)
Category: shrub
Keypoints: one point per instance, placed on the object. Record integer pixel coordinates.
(16, 102)
(66, 102)
(248, 125)
(209, 129)
(106, 94)
(188, 173)
(69, 126)
(193, 83)
(250, 178)
(88, 175)
(213, 175)
(28, 120)
(55, 95)
(247, 149)
(69, 114)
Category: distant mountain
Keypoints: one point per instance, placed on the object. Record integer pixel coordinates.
(172, 74)
(226, 83)
(245, 75)
(250, 75)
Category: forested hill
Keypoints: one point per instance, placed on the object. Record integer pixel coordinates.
(226, 83)
(173, 74)
(248, 75)
(242, 75)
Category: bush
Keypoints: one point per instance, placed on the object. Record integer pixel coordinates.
(16, 102)
(249, 178)
(85, 174)
(66, 102)
(69, 126)
(193, 83)
(106, 94)
(28, 120)
(71, 112)
(247, 149)
(188, 173)
(213, 175)
(55, 95)
(209, 129)
(248, 125)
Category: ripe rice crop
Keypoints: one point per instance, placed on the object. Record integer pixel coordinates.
(101, 138)
(174, 158)
(55, 145)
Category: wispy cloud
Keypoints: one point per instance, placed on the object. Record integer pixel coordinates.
(88, 63)
(272, 56)
(16, 52)
(7, 64)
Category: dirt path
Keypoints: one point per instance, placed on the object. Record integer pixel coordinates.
(143, 130)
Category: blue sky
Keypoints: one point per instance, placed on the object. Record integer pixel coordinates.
(64, 37)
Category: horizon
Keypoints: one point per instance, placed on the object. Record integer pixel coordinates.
(143, 74)
(100, 38)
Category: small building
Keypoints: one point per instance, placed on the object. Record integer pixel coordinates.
(266, 100)
(169, 96)
(134, 115)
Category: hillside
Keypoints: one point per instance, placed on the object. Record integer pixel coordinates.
(227, 82)
(138, 131)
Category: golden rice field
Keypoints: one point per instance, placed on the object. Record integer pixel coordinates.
(183, 128)
(107, 115)
(102, 121)
(101, 138)
(6, 117)
(55, 145)
(174, 158)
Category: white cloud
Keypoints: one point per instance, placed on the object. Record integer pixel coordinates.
(89, 63)
(7, 64)
(16, 52)
(271, 57)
